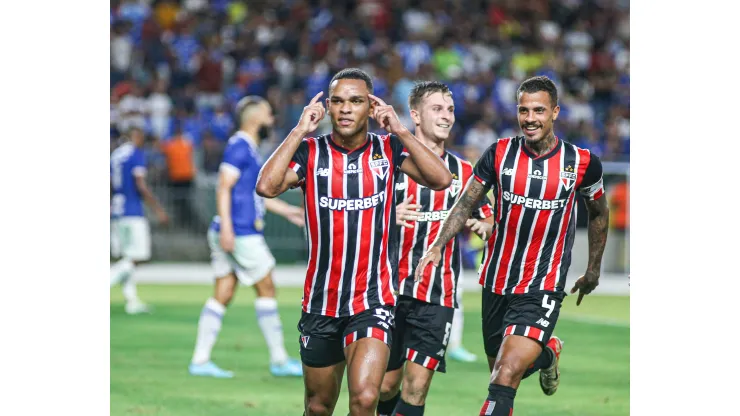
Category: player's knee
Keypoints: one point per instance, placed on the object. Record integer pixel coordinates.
(317, 407)
(224, 293)
(265, 288)
(508, 372)
(389, 388)
(366, 399)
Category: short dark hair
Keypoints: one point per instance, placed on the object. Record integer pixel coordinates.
(536, 84)
(245, 103)
(422, 89)
(354, 73)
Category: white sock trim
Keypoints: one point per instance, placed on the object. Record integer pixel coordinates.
(215, 306)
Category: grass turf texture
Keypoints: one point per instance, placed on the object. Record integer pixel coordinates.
(149, 355)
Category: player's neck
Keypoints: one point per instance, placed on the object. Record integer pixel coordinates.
(252, 133)
(352, 142)
(437, 147)
(543, 146)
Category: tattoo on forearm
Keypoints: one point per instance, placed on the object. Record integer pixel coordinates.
(598, 227)
(460, 212)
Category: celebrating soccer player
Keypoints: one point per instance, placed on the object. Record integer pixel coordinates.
(425, 309)
(348, 180)
(534, 179)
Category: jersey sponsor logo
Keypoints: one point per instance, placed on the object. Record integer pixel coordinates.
(352, 169)
(550, 204)
(401, 186)
(537, 174)
(508, 171)
(568, 177)
(323, 172)
(432, 216)
(543, 322)
(337, 204)
(379, 166)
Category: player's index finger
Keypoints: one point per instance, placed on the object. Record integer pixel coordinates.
(580, 297)
(316, 98)
(376, 99)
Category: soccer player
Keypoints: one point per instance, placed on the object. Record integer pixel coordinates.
(348, 180)
(534, 178)
(425, 309)
(238, 249)
(130, 226)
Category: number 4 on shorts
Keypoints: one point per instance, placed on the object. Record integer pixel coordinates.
(550, 306)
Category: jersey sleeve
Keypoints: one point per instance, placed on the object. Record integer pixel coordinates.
(138, 167)
(300, 161)
(484, 170)
(399, 151)
(235, 159)
(484, 209)
(592, 185)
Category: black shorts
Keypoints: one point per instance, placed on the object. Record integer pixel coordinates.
(421, 334)
(323, 338)
(532, 315)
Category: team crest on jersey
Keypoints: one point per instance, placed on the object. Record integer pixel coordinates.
(456, 185)
(568, 177)
(259, 225)
(379, 166)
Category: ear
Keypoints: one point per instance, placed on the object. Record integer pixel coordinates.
(415, 117)
(555, 112)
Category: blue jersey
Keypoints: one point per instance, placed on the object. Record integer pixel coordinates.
(126, 162)
(247, 208)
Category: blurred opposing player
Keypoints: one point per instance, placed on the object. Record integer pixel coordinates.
(425, 309)
(535, 178)
(238, 249)
(348, 179)
(130, 238)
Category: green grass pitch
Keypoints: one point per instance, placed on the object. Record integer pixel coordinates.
(149, 355)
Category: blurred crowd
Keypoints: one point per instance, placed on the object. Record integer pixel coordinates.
(179, 66)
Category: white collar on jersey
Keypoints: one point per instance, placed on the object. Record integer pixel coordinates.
(247, 138)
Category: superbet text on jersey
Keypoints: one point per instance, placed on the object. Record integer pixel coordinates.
(349, 203)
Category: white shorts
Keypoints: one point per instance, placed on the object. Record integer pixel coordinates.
(132, 239)
(251, 259)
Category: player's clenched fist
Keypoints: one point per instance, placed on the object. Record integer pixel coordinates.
(433, 255)
(312, 114)
(385, 115)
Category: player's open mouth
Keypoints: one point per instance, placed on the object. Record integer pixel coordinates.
(531, 130)
(444, 126)
(344, 122)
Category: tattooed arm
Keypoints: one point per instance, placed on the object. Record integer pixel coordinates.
(598, 227)
(456, 219)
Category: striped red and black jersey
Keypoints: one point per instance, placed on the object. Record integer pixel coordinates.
(438, 285)
(349, 208)
(534, 199)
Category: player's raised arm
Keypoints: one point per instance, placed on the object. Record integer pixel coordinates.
(275, 176)
(454, 223)
(592, 191)
(422, 165)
